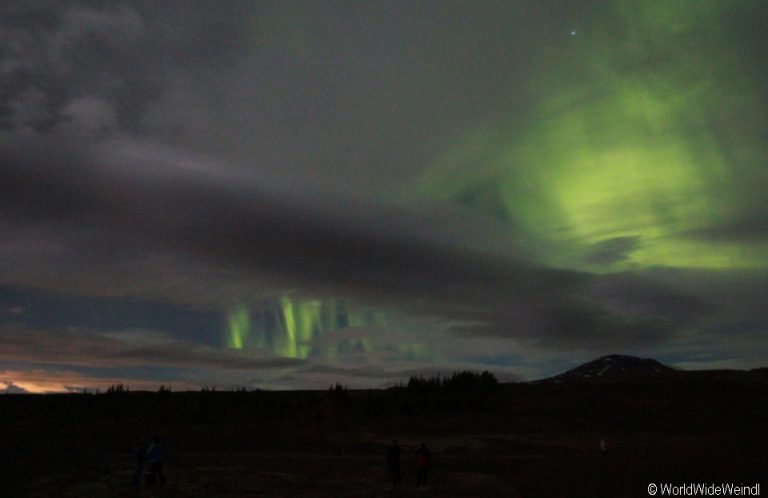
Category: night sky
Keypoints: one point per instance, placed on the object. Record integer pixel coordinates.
(290, 194)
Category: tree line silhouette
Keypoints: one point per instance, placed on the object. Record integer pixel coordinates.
(465, 381)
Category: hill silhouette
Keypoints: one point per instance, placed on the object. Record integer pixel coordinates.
(614, 366)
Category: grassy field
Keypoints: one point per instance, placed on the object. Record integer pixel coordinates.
(516, 440)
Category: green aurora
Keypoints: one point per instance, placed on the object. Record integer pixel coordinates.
(636, 137)
(298, 328)
(640, 133)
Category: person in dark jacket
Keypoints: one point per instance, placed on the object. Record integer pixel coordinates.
(423, 463)
(156, 458)
(393, 460)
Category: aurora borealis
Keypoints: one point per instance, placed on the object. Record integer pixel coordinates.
(290, 194)
(287, 327)
(630, 141)
(299, 329)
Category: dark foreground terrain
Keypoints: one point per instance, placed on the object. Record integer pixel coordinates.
(513, 440)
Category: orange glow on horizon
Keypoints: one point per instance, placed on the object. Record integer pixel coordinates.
(49, 382)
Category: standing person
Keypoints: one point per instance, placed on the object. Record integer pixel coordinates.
(139, 457)
(393, 459)
(156, 457)
(603, 445)
(423, 462)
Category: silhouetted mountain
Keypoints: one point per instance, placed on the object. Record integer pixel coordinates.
(612, 367)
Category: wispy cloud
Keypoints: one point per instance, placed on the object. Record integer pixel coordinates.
(96, 350)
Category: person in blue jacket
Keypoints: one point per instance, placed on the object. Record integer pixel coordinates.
(156, 457)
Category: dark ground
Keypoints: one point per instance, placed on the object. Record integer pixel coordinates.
(517, 440)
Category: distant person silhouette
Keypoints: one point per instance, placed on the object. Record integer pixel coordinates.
(423, 463)
(139, 457)
(156, 457)
(393, 460)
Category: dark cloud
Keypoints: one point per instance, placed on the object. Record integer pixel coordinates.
(85, 349)
(749, 228)
(611, 251)
(632, 294)
(131, 198)
(148, 200)
(11, 388)
(62, 63)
